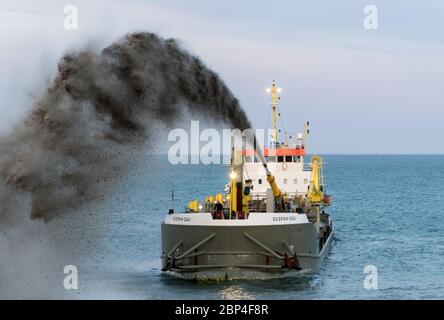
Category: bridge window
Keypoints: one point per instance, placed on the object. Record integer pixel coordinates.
(288, 159)
(271, 159)
(285, 181)
(280, 159)
(260, 181)
(305, 181)
(295, 181)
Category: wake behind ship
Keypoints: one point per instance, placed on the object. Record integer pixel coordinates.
(269, 222)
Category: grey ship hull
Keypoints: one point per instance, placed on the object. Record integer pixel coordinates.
(242, 251)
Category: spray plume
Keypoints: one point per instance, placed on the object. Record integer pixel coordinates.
(98, 111)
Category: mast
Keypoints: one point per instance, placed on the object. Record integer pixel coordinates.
(236, 179)
(274, 91)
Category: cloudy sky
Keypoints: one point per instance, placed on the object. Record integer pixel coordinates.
(364, 91)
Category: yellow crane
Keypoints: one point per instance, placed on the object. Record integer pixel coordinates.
(315, 192)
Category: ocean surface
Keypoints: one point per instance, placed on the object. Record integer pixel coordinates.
(387, 210)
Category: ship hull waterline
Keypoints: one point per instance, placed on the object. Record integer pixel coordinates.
(229, 252)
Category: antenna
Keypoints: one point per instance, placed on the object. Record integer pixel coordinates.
(171, 210)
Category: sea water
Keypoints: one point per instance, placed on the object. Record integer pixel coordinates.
(387, 211)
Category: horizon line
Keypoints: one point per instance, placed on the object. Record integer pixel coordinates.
(338, 154)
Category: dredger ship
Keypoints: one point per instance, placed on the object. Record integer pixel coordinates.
(269, 222)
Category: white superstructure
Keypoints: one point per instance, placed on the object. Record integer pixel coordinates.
(288, 171)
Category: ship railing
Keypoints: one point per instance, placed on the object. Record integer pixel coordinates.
(259, 196)
(258, 201)
(263, 195)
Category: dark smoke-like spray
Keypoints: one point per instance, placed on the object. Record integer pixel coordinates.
(99, 109)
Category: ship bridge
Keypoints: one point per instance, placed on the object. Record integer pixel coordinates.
(287, 165)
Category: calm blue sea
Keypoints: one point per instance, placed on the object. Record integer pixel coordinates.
(388, 212)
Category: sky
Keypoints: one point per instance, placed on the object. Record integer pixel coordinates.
(363, 91)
